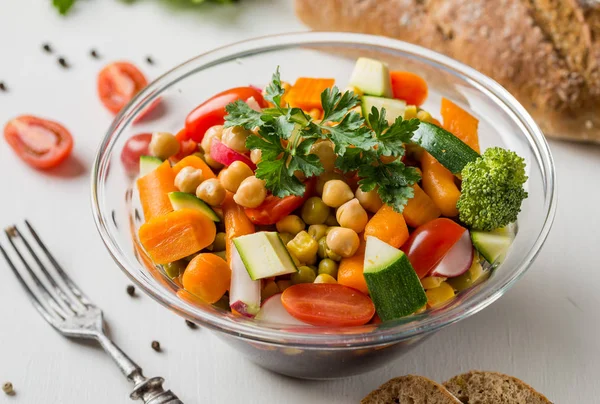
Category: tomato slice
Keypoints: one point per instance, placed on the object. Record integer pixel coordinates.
(186, 146)
(328, 304)
(39, 142)
(212, 111)
(136, 146)
(429, 243)
(118, 83)
(273, 209)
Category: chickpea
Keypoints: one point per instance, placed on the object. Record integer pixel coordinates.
(324, 150)
(256, 156)
(369, 200)
(343, 242)
(336, 193)
(212, 163)
(290, 224)
(212, 132)
(235, 138)
(188, 179)
(315, 113)
(326, 176)
(163, 145)
(352, 216)
(211, 191)
(251, 192)
(232, 176)
(252, 103)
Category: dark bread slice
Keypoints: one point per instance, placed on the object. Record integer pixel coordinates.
(478, 387)
(410, 389)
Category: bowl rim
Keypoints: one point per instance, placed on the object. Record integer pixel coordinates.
(381, 335)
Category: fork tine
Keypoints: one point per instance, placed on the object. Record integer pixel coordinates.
(51, 300)
(66, 278)
(36, 303)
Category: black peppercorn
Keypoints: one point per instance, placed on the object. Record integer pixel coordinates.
(3, 86)
(156, 346)
(130, 290)
(47, 48)
(63, 62)
(150, 60)
(8, 389)
(193, 326)
(94, 54)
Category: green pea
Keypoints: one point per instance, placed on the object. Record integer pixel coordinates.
(219, 243)
(304, 275)
(333, 256)
(317, 231)
(329, 267)
(322, 251)
(286, 237)
(176, 268)
(314, 211)
(222, 303)
(222, 254)
(331, 220)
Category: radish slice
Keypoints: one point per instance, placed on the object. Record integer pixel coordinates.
(272, 311)
(244, 293)
(224, 155)
(457, 260)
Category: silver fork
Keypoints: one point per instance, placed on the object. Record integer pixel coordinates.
(72, 314)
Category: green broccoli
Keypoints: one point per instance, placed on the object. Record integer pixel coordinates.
(492, 189)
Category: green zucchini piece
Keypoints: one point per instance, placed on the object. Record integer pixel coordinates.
(450, 151)
(183, 200)
(393, 108)
(392, 281)
(148, 164)
(492, 245)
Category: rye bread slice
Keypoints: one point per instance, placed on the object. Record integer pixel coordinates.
(478, 387)
(410, 389)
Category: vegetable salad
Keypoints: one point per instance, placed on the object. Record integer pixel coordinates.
(305, 205)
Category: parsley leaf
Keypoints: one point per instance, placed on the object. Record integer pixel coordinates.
(302, 160)
(393, 182)
(277, 179)
(63, 6)
(335, 105)
(391, 139)
(274, 91)
(350, 132)
(240, 114)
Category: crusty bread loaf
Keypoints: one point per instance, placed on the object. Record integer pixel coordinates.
(545, 52)
(478, 387)
(410, 389)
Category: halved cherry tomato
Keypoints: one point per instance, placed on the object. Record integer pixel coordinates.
(273, 209)
(186, 146)
(328, 304)
(429, 243)
(212, 111)
(118, 83)
(409, 87)
(135, 147)
(40, 143)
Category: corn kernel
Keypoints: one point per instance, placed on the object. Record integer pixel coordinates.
(410, 112)
(432, 282)
(440, 295)
(324, 278)
(304, 247)
(424, 116)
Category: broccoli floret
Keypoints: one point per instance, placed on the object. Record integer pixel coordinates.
(492, 189)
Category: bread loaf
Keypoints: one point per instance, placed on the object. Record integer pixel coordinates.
(410, 389)
(545, 52)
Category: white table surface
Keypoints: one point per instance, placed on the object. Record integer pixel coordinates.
(545, 330)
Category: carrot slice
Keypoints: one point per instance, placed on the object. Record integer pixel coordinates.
(176, 235)
(438, 183)
(388, 226)
(207, 276)
(409, 87)
(460, 123)
(350, 271)
(196, 162)
(154, 189)
(306, 93)
(420, 209)
(236, 223)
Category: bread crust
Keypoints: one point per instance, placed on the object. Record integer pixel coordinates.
(410, 388)
(551, 69)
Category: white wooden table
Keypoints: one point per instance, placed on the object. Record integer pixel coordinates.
(545, 330)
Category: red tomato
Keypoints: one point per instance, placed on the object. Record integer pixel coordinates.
(328, 304)
(118, 83)
(135, 147)
(212, 111)
(38, 142)
(186, 146)
(409, 87)
(429, 243)
(273, 209)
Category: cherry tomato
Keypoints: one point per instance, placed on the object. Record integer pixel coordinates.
(429, 243)
(186, 146)
(212, 111)
(328, 304)
(135, 147)
(273, 209)
(40, 143)
(118, 83)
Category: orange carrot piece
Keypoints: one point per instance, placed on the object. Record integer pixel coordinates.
(420, 209)
(350, 271)
(438, 183)
(306, 93)
(176, 235)
(236, 223)
(409, 87)
(196, 162)
(460, 123)
(154, 189)
(207, 276)
(388, 226)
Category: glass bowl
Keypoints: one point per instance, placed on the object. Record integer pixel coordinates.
(320, 353)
